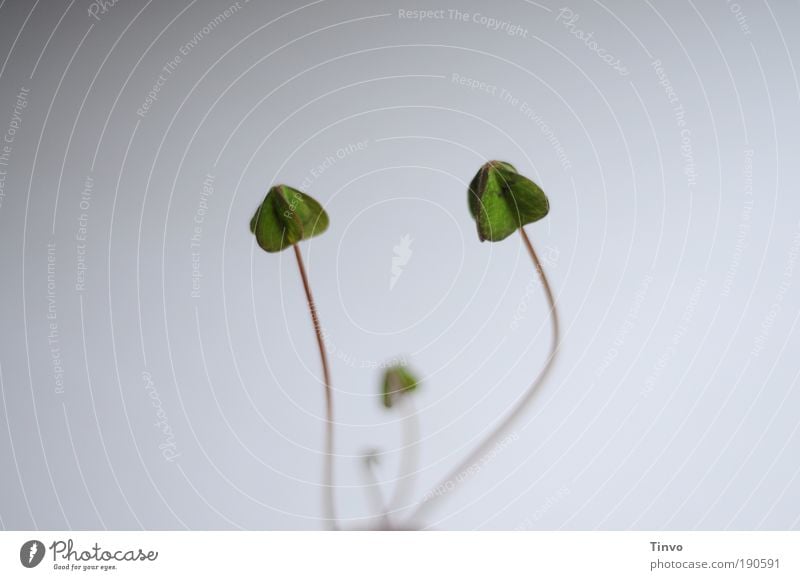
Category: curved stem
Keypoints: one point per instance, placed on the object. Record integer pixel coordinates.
(462, 470)
(408, 461)
(373, 490)
(327, 492)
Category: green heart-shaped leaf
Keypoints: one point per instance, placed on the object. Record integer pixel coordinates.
(285, 217)
(397, 382)
(502, 201)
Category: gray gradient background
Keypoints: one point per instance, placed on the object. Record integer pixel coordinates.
(674, 403)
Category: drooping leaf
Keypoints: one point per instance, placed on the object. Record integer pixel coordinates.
(398, 381)
(285, 217)
(501, 201)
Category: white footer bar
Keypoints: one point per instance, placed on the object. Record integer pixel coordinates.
(400, 555)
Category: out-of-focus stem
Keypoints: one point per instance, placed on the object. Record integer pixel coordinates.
(373, 490)
(410, 456)
(327, 492)
(462, 470)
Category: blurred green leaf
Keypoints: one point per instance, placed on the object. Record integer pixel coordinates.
(398, 381)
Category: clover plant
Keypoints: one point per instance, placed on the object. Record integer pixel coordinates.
(502, 202)
(286, 217)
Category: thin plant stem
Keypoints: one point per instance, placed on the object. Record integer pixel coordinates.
(410, 456)
(406, 472)
(462, 470)
(373, 491)
(327, 492)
